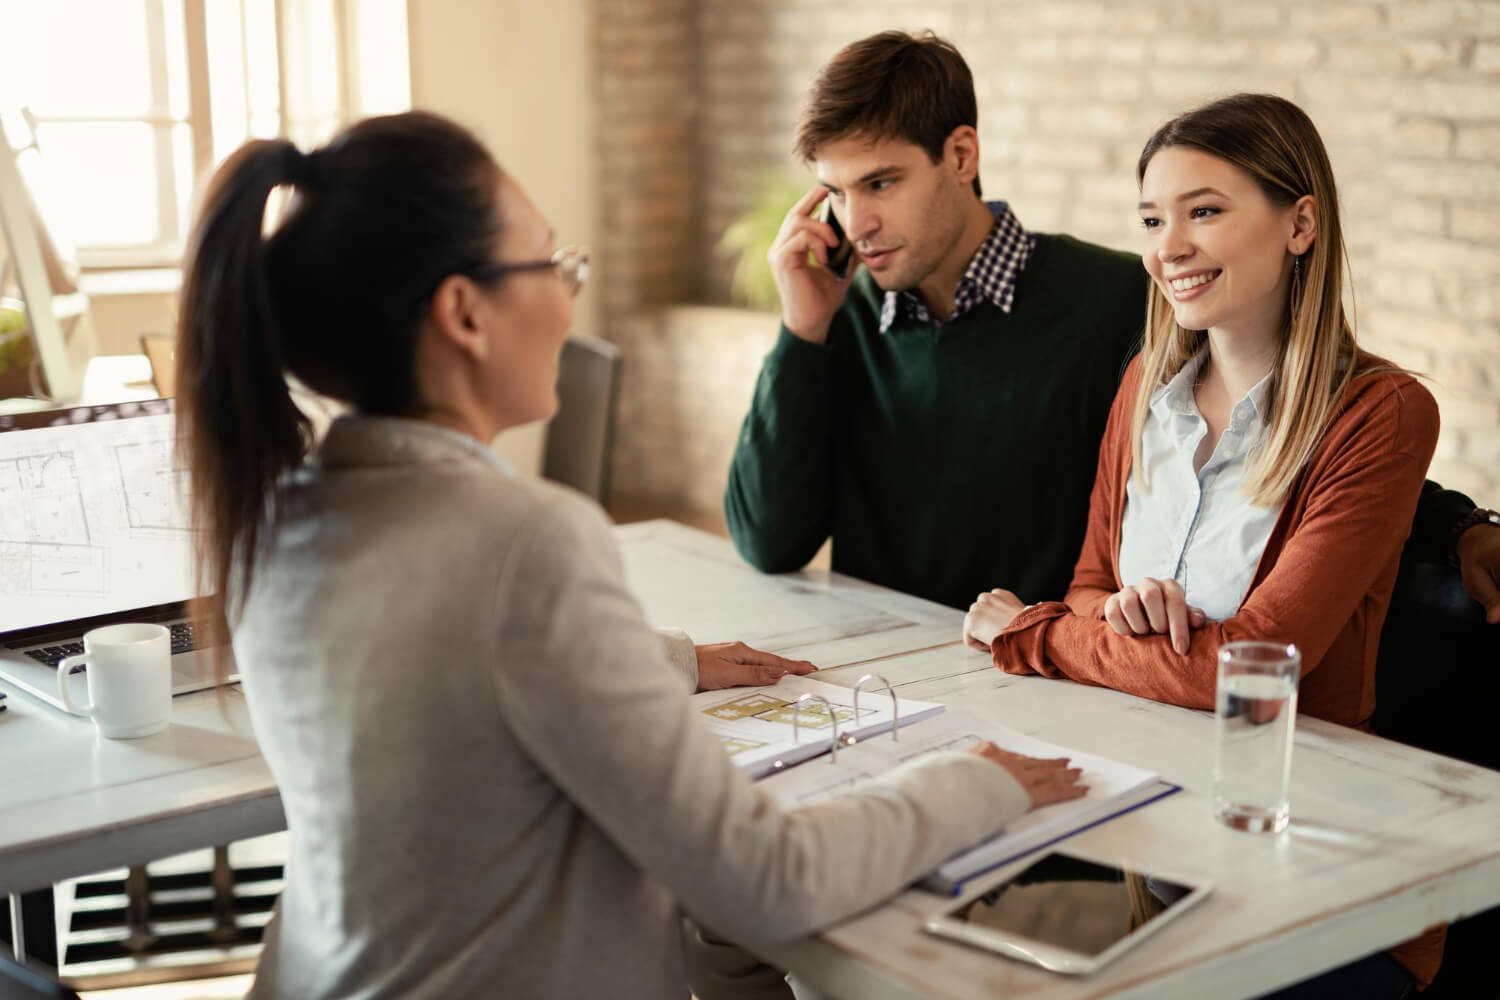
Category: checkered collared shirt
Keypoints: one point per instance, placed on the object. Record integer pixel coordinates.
(990, 277)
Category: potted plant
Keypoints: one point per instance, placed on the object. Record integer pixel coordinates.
(17, 353)
(749, 237)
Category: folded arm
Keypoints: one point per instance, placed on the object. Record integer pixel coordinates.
(1358, 513)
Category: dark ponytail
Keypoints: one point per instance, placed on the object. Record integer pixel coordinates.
(334, 297)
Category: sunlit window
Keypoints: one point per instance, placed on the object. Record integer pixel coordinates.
(121, 107)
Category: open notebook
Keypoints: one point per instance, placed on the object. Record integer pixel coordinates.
(755, 725)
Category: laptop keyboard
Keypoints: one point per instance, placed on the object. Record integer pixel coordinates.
(184, 639)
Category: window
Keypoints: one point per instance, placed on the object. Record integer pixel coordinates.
(121, 107)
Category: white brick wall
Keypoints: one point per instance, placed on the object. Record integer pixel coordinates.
(1406, 93)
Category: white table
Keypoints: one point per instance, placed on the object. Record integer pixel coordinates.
(73, 802)
(1385, 840)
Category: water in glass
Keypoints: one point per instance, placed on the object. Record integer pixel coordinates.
(1257, 708)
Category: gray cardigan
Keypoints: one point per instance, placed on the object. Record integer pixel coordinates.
(493, 780)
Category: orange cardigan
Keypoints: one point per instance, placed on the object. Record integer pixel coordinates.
(1323, 582)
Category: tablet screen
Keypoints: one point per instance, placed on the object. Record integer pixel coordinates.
(1072, 904)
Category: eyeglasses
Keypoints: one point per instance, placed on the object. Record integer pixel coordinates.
(571, 264)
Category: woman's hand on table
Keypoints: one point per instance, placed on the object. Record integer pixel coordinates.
(1046, 780)
(1154, 607)
(734, 664)
(989, 615)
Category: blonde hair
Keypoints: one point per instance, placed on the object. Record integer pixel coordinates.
(1144, 904)
(1273, 141)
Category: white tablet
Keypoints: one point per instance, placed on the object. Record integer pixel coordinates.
(1069, 914)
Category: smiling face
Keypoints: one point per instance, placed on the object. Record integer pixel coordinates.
(488, 357)
(904, 214)
(1216, 246)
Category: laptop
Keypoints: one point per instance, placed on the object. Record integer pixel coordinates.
(94, 530)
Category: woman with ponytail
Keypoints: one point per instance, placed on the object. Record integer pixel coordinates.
(1259, 472)
(494, 782)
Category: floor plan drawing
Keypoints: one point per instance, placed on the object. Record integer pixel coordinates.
(41, 500)
(152, 486)
(93, 519)
(738, 744)
(44, 528)
(66, 569)
(769, 709)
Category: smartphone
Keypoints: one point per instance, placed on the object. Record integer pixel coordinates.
(839, 257)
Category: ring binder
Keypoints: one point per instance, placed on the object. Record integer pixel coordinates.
(833, 720)
(1113, 788)
(756, 724)
(895, 705)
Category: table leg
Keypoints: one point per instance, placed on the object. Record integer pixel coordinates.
(138, 909)
(225, 927)
(17, 934)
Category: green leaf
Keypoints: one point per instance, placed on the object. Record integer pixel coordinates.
(749, 237)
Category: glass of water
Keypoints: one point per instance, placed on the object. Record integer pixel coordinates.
(1257, 708)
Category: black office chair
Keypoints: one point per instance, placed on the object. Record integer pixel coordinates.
(1437, 680)
(1437, 674)
(17, 982)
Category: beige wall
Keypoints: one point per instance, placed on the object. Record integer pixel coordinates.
(521, 76)
(1405, 92)
(119, 320)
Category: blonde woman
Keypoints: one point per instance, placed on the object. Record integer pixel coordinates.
(1258, 473)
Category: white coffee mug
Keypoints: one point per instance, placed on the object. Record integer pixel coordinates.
(129, 671)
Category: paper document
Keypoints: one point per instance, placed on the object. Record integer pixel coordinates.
(1113, 787)
(755, 723)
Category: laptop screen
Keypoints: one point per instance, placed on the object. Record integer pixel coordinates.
(93, 517)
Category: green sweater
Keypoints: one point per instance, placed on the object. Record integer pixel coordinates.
(944, 459)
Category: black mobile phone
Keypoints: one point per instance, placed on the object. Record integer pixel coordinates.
(839, 256)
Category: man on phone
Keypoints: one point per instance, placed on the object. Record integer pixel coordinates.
(938, 410)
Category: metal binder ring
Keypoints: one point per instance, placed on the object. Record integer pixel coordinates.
(895, 706)
(833, 720)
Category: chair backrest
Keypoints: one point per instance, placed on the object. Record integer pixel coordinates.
(1437, 673)
(579, 436)
(20, 983)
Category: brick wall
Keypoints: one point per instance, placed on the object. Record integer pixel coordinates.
(1406, 94)
(648, 74)
(686, 382)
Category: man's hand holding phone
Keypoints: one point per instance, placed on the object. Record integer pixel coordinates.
(810, 293)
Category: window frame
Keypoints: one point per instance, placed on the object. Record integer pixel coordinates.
(167, 248)
(291, 119)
